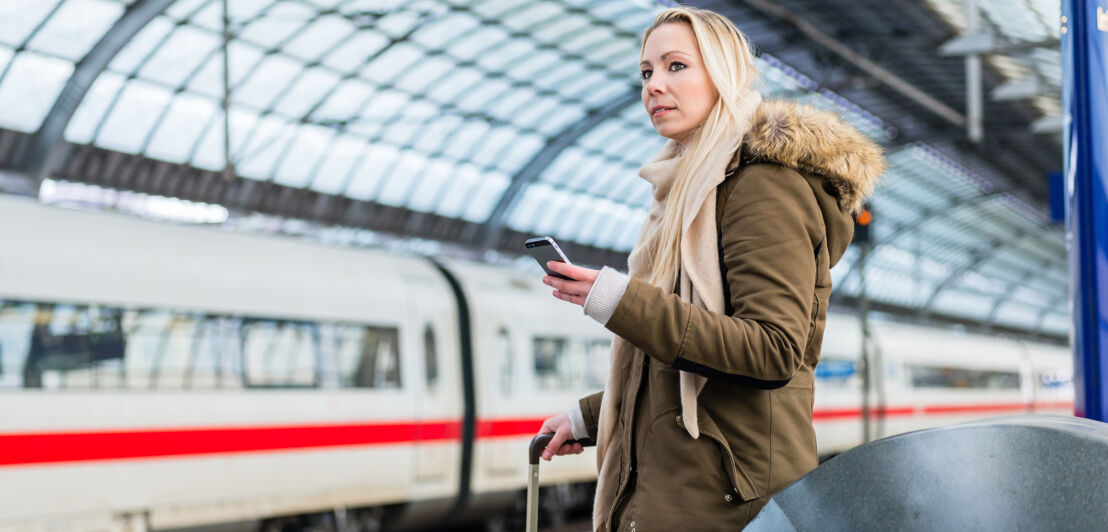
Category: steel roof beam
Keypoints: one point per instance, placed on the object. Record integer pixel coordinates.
(1020, 89)
(1027, 276)
(1048, 124)
(493, 227)
(44, 151)
(914, 225)
(977, 259)
(1057, 300)
(865, 65)
(988, 43)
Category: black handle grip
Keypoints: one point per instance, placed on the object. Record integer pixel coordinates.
(538, 443)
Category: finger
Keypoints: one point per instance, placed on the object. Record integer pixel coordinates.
(568, 287)
(576, 300)
(574, 272)
(553, 446)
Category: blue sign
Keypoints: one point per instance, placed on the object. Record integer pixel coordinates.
(835, 369)
(1085, 95)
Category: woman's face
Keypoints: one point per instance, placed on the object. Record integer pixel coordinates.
(676, 89)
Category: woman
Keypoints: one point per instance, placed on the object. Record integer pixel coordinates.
(708, 407)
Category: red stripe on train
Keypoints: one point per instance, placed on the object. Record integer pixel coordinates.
(499, 428)
(55, 447)
(40, 448)
(984, 408)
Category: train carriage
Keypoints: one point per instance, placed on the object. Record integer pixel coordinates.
(160, 376)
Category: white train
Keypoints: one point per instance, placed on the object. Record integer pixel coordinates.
(159, 376)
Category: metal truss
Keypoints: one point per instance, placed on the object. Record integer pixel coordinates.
(41, 154)
(490, 234)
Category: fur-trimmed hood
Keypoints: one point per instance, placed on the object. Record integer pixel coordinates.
(816, 141)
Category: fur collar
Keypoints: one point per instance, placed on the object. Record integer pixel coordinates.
(811, 140)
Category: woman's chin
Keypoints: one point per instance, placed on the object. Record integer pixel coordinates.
(671, 133)
(666, 131)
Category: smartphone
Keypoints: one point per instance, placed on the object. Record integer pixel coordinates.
(545, 249)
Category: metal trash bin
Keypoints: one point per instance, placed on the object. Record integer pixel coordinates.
(1027, 472)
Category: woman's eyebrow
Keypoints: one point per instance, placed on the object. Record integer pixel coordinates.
(647, 62)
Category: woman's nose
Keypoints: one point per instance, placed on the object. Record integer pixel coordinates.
(653, 85)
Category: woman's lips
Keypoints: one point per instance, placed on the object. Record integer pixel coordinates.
(662, 111)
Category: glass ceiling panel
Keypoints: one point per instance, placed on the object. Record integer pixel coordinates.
(1057, 323)
(269, 79)
(356, 51)
(97, 102)
(432, 180)
(281, 21)
(437, 106)
(318, 37)
(178, 57)
(295, 167)
(181, 127)
(485, 197)
(208, 153)
(132, 117)
(19, 19)
(337, 164)
(973, 306)
(142, 44)
(29, 87)
(364, 181)
(74, 27)
(462, 184)
(1015, 315)
(182, 9)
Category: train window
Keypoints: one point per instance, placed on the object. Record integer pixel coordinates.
(564, 364)
(279, 353)
(430, 357)
(212, 354)
(962, 378)
(597, 363)
(66, 346)
(175, 352)
(550, 362)
(370, 357)
(75, 346)
(16, 323)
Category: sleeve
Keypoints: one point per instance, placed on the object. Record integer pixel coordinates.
(590, 414)
(607, 290)
(577, 421)
(770, 226)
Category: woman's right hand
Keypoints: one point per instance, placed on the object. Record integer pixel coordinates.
(562, 430)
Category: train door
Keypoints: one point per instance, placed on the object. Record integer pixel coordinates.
(501, 391)
(433, 323)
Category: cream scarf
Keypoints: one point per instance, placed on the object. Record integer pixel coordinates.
(700, 280)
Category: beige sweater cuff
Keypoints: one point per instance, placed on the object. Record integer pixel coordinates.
(577, 421)
(605, 294)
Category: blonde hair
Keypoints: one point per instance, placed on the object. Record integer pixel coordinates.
(729, 61)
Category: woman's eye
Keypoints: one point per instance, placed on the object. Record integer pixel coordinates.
(645, 74)
(676, 66)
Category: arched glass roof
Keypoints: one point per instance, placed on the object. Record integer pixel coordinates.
(521, 116)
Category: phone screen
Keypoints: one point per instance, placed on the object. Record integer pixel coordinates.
(545, 249)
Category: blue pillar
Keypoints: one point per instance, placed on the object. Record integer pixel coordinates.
(1085, 95)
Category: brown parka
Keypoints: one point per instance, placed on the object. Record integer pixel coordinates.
(783, 219)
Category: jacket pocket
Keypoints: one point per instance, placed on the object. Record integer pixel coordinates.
(740, 480)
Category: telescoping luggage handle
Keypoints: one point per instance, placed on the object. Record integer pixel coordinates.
(538, 444)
